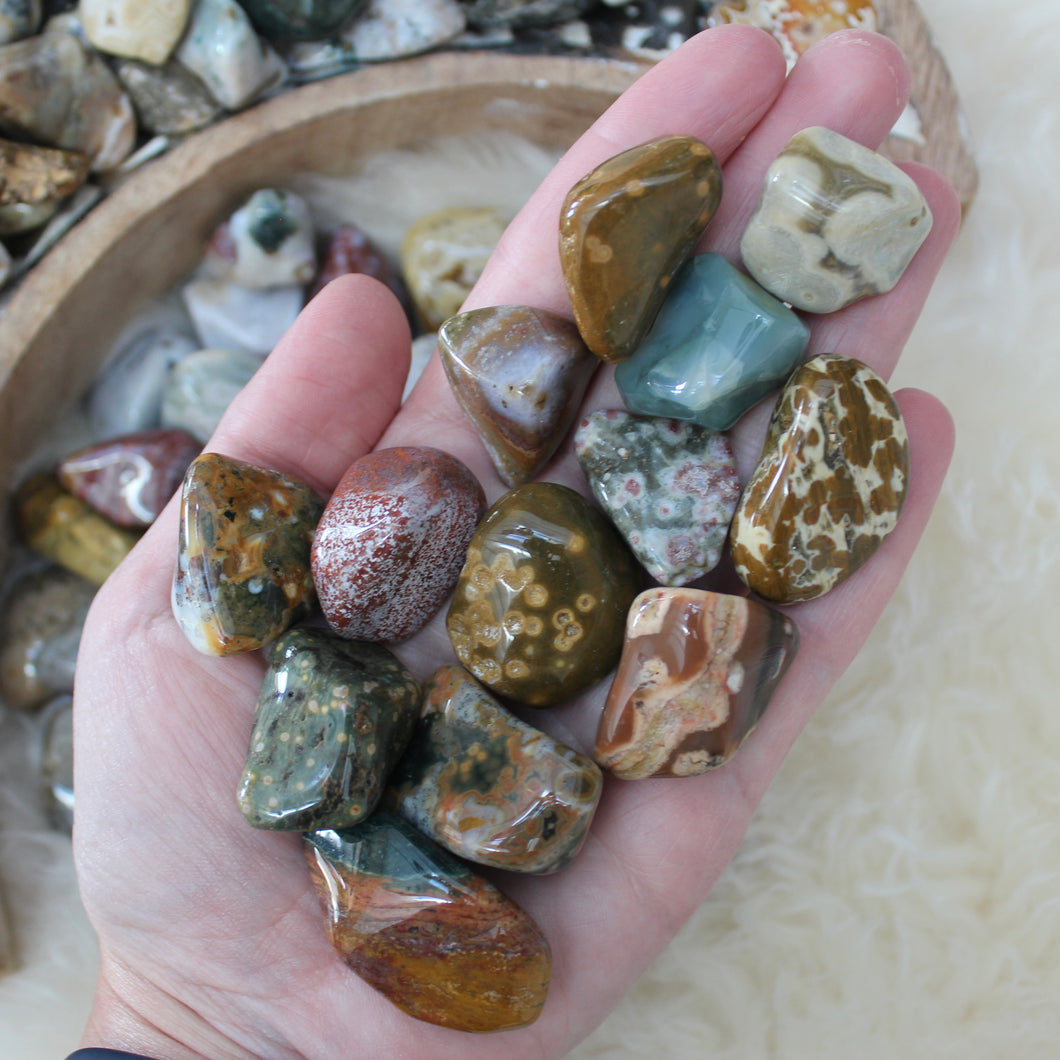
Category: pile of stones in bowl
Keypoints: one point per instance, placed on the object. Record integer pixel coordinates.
(397, 787)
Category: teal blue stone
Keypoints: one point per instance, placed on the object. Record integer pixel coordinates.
(720, 344)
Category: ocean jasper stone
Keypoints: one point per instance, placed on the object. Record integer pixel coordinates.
(443, 255)
(169, 100)
(351, 250)
(290, 20)
(719, 344)
(130, 479)
(392, 539)
(669, 487)
(489, 787)
(243, 573)
(19, 19)
(67, 531)
(829, 484)
(438, 941)
(137, 29)
(229, 316)
(625, 230)
(835, 222)
(35, 177)
(698, 670)
(201, 386)
(519, 374)
(332, 720)
(537, 614)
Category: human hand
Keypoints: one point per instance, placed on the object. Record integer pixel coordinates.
(212, 940)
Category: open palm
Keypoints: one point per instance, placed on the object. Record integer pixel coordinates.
(212, 940)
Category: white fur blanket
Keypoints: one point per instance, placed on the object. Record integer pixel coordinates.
(898, 894)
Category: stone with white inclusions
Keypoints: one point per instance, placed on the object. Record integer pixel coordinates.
(670, 488)
(201, 386)
(489, 787)
(829, 485)
(626, 228)
(392, 539)
(519, 374)
(538, 612)
(698, 670)
(243, 574)
(229, 316)
(332, 719)
(836, 222)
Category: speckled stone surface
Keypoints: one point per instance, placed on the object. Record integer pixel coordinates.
(438, 941)
(625, 230)
(719, 344)
(669, 487)
(392, 540)
(519, 374)
(130, 479)
(538, 612)
(332, 718)
(243, 573)
(836, 222)
(698, 670)
(489, 787)
(829, 485)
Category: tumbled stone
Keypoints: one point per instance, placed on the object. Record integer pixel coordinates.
(267, 242)
(222, 49)
(698, 670)
(669, 487)
(423, 347)
(392, 539)
(648, 29)
(230, 316)
(19, 217)
(57, 761)
(130, 479)
(443, 255)
(625, 230)
(836, 222)
(489, 13)
(291, 20)
(19, 19)
(519, 374)
(332, 719)
(243, 574)
(136, 29)
(829, 485)
(169, 100)
(5, 265)
(56, 91)
(64, 217)
(33, 176)
(65, 530)
(438, 941)
(538, 612)
(201, 386)
(719, 344)
(40, 631)
(796, 24)
(489, 787)
(351, 250)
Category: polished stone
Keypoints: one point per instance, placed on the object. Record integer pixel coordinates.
(720, 344)
(332, 719)
(57, 761)
(243, 573)
(40, 631)
(291, 20)
(19, 19)
(626, 229)
(698, 670)
(538, 612)
(484, 14)
(519, 374)
(489, 787)
(67, 531)
(836, 222)
(669, 487)
(228, 316)
(392, 540)
(351, 250)
(136, 29)
(201, 386)
(438, 941)
(130, 479)
(829, 485)
(32, 177)
(442, 256)
(169, 100)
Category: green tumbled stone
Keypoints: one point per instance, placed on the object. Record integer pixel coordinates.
(332, 719)
(625, 230)
(292, 20)
(488, 786)
(719, 344)
(539, 610)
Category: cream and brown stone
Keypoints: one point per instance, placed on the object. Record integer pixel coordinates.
(836, 222)
(829, 485)
(698, 670)
(137, 29)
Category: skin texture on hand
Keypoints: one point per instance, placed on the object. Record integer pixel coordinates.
(212, 940)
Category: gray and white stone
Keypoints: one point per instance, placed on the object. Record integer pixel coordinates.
(230, 315)
(202, 386)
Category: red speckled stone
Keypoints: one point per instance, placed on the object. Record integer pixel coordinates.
(130, 479)
(392, 541)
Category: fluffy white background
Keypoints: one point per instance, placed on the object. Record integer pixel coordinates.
(898, 894)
